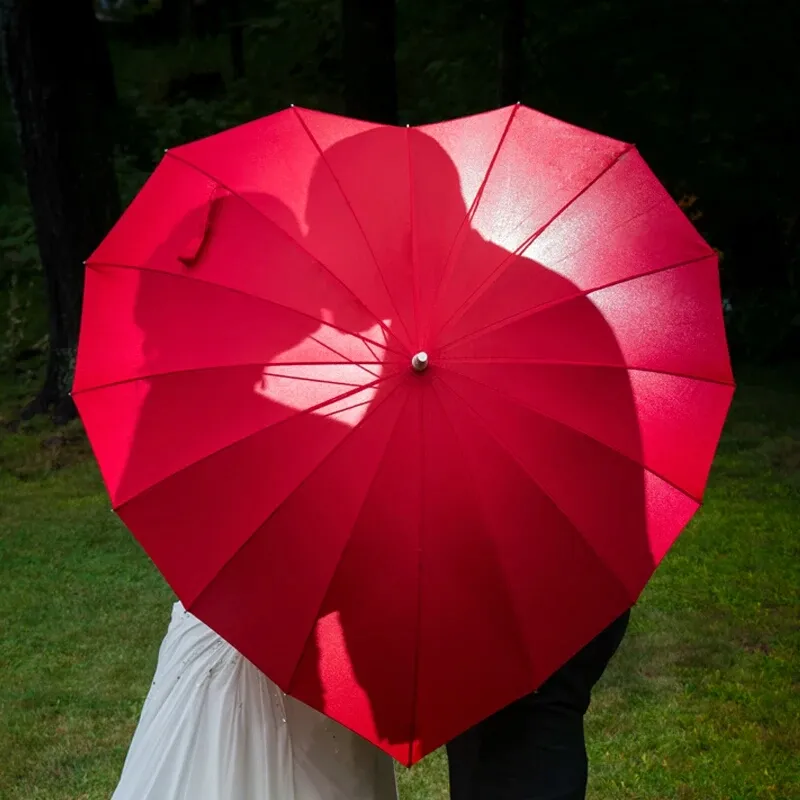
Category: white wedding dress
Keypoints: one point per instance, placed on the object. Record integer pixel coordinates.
(215, 728)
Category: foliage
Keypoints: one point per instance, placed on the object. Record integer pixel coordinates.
(21, 309)
(19, 255)
(15, 314)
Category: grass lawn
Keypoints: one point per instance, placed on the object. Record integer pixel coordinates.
(702, 703)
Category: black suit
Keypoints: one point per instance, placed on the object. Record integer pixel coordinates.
(534, 749)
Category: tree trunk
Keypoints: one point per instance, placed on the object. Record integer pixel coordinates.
(59, 77)
(511, 52)
(370, 74)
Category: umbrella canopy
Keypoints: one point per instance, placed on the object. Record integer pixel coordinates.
(406, 415)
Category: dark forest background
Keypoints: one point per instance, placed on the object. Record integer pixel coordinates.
(706, 88)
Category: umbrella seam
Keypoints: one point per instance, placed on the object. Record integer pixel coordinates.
(666, 200)
(286, 234)
(498, 272)
(349, 540)
(374, 354)
(157, 375)
(630, 595)
(531, 312)
(299, 413)
(234, 290)
(360, 227)
(413, 245)
(305, 378)
(266, 520)
(510, 398)
(421, 529)
(471, 211)
(349, 408)
(484, 514)
(587, 365)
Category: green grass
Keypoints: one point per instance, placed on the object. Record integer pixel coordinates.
(701, 703)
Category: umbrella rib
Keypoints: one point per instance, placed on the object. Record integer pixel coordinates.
(482, 511)
(502, 323)
(342, 355)
(584, 364)
(537, 412)
(305, 378)
(192, 370)
(413, 243)
(355, 217)
(243, 544)
(664, 201)
(497, 273)
(387, 330)
(240, 440)
(420, 529)
(616, 578)
(349, 540)
(234, 290)
(374, 354)
(448, 268)
(348, 408)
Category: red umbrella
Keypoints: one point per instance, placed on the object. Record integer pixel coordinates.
(406, 543)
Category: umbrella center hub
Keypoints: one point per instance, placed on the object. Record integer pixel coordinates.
(420, 362)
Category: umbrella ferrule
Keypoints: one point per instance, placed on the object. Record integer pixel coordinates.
(420, 362)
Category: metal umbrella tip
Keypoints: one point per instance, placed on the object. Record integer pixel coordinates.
(420, 362)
